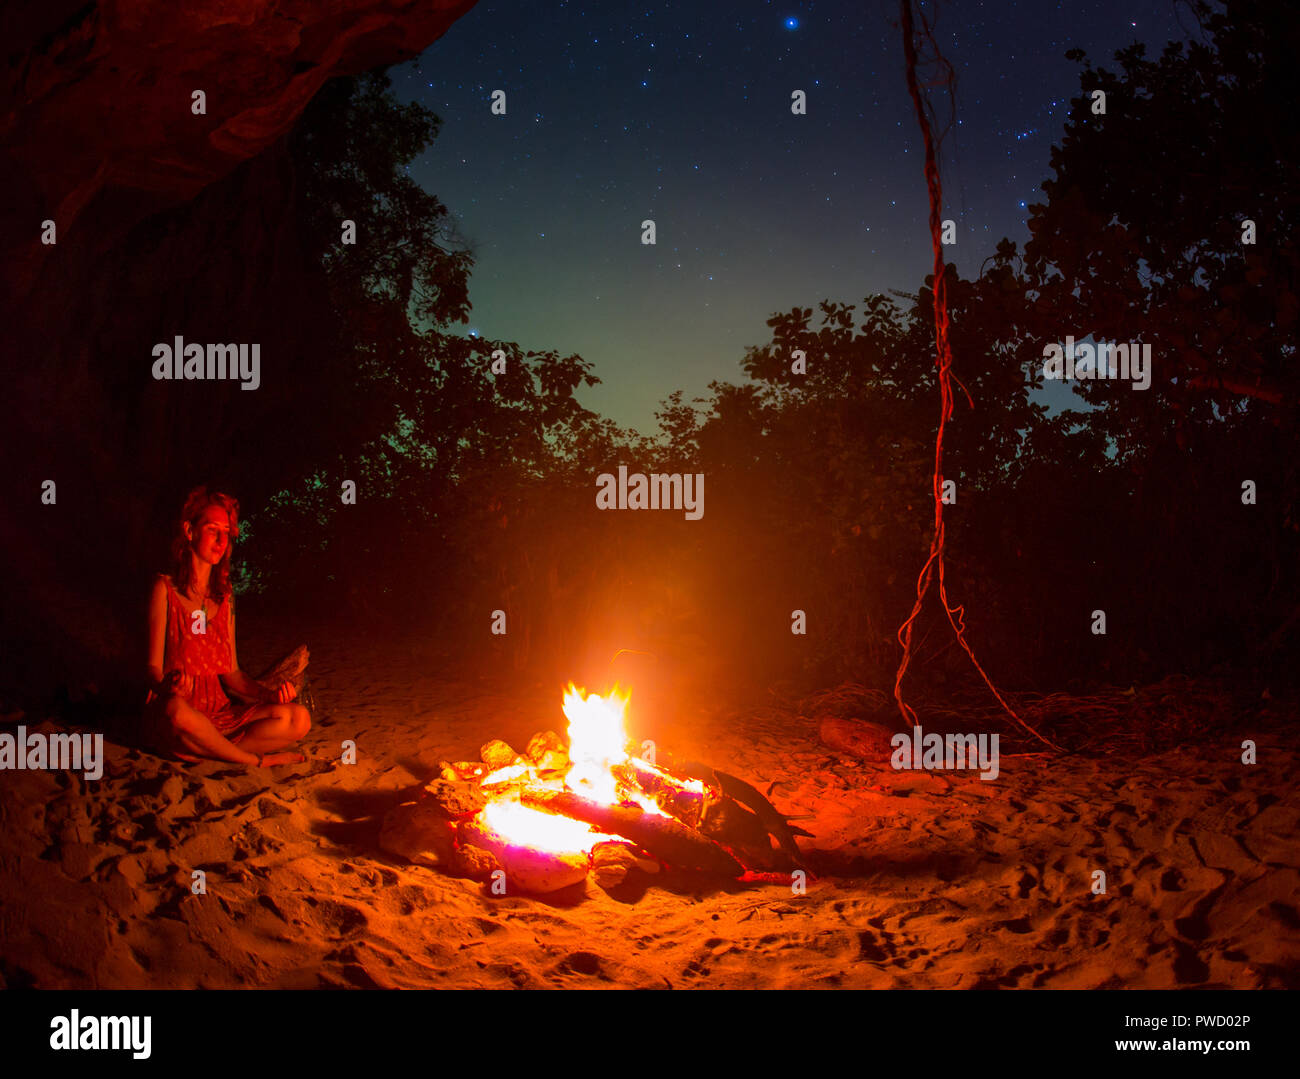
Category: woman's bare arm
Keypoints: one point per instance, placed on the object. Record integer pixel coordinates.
(157, 635)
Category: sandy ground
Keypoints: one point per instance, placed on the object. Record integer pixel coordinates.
(925, 881)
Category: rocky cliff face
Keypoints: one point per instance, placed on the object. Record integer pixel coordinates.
(99, 97)
(169, 221)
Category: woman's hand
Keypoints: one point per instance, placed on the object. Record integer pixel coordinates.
(286, 692)
(178, 682)
(273, 760)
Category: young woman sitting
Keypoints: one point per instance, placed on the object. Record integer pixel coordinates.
(192, 659)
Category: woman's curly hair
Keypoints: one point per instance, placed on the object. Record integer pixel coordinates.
(196, 502)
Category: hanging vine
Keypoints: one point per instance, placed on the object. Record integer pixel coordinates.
(943, 361)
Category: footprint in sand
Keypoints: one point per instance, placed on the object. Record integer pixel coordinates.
(580, 963)
(1194, 924)
(272, 807)
(869, 950)
(1189, 968)
(335, 919)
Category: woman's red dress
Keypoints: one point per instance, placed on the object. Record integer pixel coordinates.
(204, 656)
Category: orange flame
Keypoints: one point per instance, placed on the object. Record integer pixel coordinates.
(597, 744)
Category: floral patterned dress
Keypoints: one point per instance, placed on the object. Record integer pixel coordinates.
(205, 656)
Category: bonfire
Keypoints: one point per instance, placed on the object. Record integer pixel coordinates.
(544, 819)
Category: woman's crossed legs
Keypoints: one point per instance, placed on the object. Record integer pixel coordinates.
(269, 729)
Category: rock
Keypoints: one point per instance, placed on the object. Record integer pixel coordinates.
(548, 753)
(454, 800)
(418, 832)
(611, 863)
(609, 876)
(497, 754)
(543, 742)
(527, 869)
(474, 862)
(259, 67)
(462, 771)
(858, 738)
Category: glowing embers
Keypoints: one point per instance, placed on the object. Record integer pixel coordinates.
(543, 831)
(543, 819)
(555, 810)
(596, 766)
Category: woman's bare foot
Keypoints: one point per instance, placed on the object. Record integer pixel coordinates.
(270, 760)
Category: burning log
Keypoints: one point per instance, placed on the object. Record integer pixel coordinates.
(734, 826)
(553, 814)
(668, 792)
(527, 868)
(776, 823)
(665, 838)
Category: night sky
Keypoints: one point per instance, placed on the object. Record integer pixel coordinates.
(681, 113)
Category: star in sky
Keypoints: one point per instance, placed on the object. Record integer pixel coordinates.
(771, 208)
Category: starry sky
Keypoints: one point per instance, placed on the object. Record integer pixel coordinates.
(680, 113)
